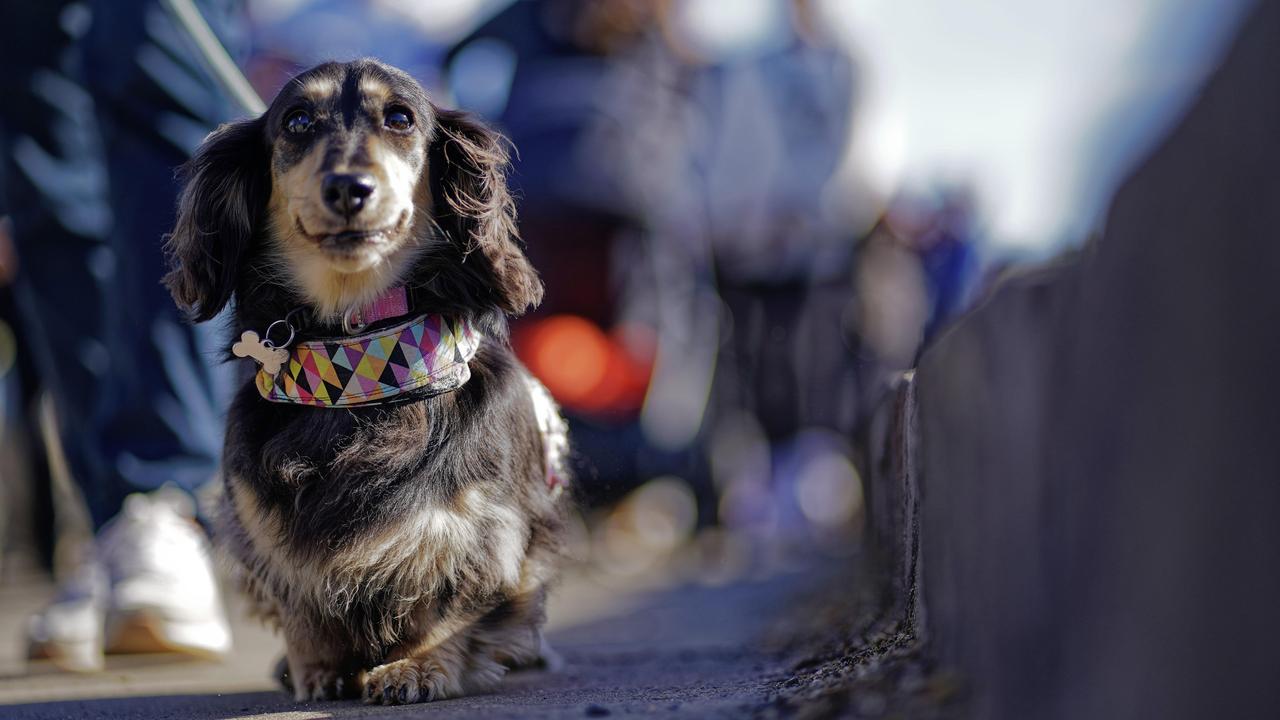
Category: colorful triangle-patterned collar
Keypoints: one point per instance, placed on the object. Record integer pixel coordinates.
(427, 355)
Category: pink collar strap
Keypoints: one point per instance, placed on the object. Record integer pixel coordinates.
(392, 303)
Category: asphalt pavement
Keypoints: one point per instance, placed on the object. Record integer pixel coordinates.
(664, 644)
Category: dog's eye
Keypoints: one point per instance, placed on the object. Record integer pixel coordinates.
(398, 118)
(298, 122)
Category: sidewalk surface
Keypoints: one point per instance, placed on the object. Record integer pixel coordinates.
(683, 650)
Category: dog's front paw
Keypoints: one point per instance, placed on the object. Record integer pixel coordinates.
(324, 684)
(409, 681)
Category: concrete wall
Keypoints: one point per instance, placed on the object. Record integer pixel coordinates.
(1099, 462)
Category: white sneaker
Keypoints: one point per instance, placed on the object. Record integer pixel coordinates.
(69, 631)
(151, 588)
(164, 596)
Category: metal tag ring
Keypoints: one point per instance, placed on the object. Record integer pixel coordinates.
(266, 337)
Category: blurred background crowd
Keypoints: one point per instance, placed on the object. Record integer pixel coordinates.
(750, 217)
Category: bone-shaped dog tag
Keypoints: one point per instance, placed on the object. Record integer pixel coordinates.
(270, 358)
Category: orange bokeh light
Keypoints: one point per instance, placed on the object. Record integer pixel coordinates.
(585, 369)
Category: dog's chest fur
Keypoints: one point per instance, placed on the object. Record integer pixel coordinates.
(366, 517)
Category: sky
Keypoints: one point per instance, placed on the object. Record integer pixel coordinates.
(1040, 105)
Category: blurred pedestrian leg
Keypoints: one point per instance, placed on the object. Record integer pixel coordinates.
(102, 101)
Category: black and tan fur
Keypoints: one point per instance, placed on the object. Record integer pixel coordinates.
(403, 550)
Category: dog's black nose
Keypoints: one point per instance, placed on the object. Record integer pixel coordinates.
(346, 193)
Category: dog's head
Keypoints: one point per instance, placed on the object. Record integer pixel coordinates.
(351, 182)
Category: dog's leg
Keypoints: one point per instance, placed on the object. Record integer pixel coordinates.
(423, 675)
(511, 633)
(516, 635)
(439, 663)
(317, 668)
(548, 658)
(473, 658)
(435, 664)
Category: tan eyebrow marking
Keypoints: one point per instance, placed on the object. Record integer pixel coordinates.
(374, 88)
(319, 89)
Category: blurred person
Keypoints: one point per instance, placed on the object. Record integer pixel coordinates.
(939, 228)
(675, 157)
(892, 307)
(764, 108)
(545, 72)
(103, 100)
(917, 270)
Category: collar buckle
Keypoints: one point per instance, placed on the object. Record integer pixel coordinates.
(353, 322)
(394, 302)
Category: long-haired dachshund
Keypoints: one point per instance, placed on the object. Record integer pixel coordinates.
(392, 472)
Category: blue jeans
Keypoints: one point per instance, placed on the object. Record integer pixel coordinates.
(101, 102)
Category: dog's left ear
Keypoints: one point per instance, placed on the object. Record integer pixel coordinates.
(223, 204)
(469, 165)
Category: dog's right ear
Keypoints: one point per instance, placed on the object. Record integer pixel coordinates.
(223, 203)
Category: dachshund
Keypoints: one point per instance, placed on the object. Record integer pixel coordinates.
(391, 472)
